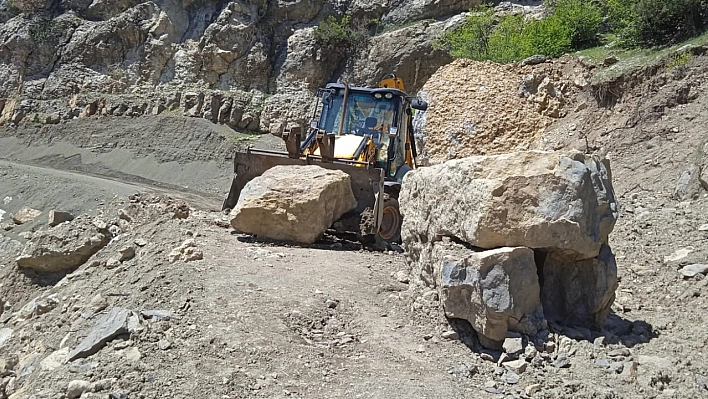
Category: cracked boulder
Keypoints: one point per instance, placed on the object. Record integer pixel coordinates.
(293, 203)
(64, 247)
(539, 218)
(495, 290)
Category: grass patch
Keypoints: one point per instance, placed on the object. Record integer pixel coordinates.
(244, 137)
(635, 58)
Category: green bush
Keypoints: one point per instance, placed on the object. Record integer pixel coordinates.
(513, 38)
(550, 36)
(581, 17)
(340, 32)
(659, 22)
(471, 39)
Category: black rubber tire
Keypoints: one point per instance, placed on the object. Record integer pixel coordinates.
(390, 231)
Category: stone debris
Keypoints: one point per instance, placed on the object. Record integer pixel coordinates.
(126, 253)
(516, 366)
(688, 185)
(76, 388)
(693, 270)
(186, 252)
(58, 217)
(561, 361)
(451, 335)
(109, 326)
(64, 247)
(5, 335)
(25, 215)
(293, 203)
(513, 345)
(678, 255)
(158, 315)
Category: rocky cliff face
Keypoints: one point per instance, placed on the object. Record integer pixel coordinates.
(248, 64)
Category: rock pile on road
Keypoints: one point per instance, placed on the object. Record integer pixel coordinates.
(514, 241)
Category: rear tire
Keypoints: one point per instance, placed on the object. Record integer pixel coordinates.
(391, 221)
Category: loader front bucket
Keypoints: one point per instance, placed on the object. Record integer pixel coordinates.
(367, 184)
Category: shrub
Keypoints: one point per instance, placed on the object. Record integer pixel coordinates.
(550, 36)
(471, 39)
(512, 39)
(582, 18)
(665, 21)
(341, 32)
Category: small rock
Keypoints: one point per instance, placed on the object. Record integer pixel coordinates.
(102, 385)
(76, 388)
(530, 351)
(516, 366)
(599, 342)
(486, 356)
(513, 346)
(532, 389)
(490, 384)
(451, 335)
(533, 60)
(431, 296)
(24, 215)
(703, 227)
(122, 345)
(127, 253)
(164, 344)
(58, 217)
(402, 277)
(623, 352)
(123, 214)
(157, 314)
(141, 242)
(463, 370)
(692, 270)
(680, 254)
(132, 354)
(5, 334)
(420, 348)
(602, 363)
(561, 362)
(702, 382)
(112, 263)
(331, 303)
(616, 367)
(511, 378)
(611, 60)
(550, 347)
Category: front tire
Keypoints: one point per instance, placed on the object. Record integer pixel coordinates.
(391, 221)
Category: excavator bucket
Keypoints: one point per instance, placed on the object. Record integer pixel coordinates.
(367, 185)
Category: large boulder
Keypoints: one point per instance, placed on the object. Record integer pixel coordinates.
(293, 203)
(64, 247)
(533, 199)
(495, 290)
(512, 241)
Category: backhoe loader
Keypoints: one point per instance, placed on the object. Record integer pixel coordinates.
(365, 132)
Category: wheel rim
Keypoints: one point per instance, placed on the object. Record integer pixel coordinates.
(390, 221)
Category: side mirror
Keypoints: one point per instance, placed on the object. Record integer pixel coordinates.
(419, 104)
(327, 98)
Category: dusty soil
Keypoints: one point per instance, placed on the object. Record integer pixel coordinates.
(258, 319)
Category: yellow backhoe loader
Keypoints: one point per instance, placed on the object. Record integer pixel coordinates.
(365, 132)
